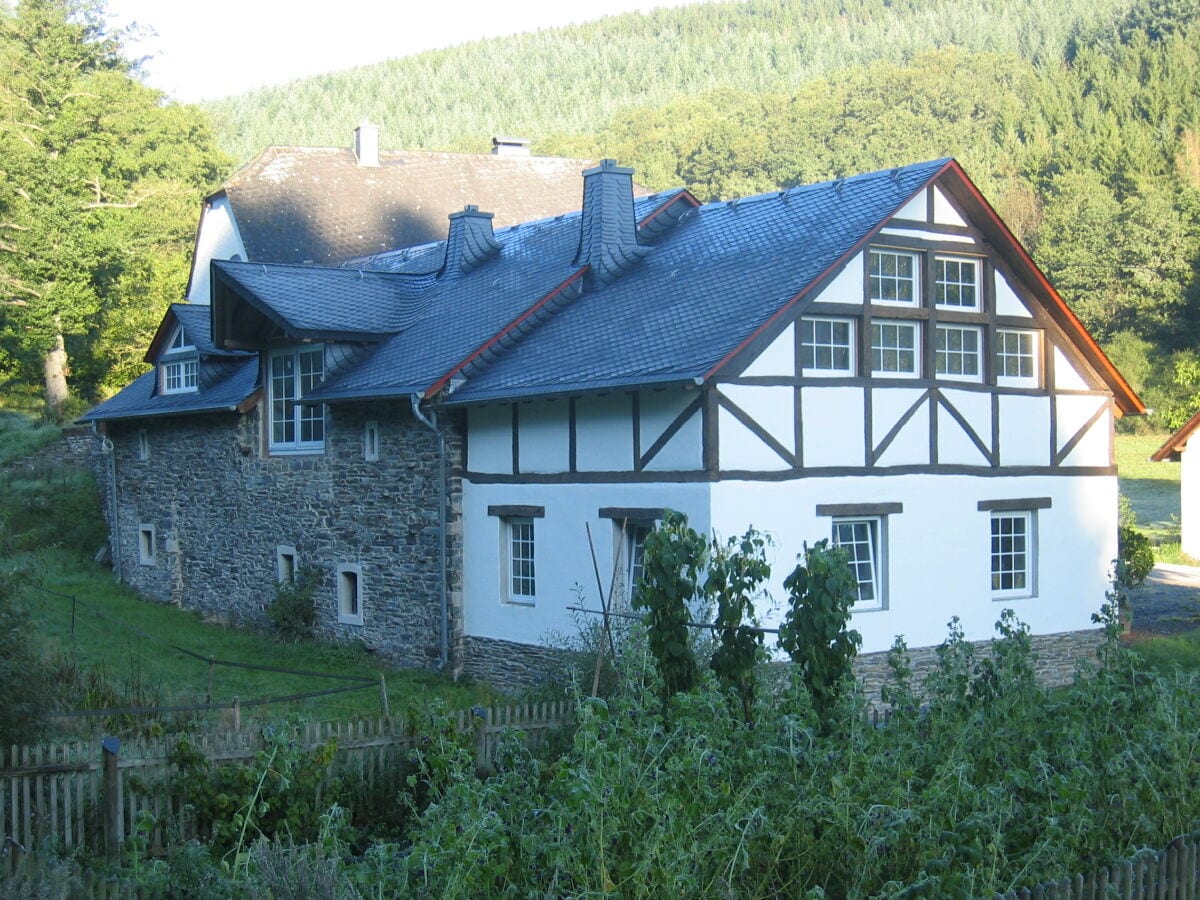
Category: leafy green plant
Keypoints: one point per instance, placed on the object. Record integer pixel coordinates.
(29, 688)
(292, 611)
(736, 572)
(821, 591)
(674, 560)
(1137, 554)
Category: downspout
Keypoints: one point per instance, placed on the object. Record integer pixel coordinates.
(430, 422)
(106, 447)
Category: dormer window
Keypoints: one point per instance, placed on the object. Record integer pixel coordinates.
(179, 368)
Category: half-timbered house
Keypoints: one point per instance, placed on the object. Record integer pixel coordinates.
(874, 360)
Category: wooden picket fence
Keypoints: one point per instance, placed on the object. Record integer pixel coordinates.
(66, 797)
(1170, 874)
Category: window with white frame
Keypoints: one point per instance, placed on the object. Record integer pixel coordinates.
(371, 441)
(520, 578)
(826, 346)
(956, 352)
(894, 348)
(1013, 543)
(147, 552)
(296, 425)
(179, 369)
(1016, 357)
(285, 564)
(956, 282)
(629, 539)
(350, 594)
(862, 539)
(893, 277)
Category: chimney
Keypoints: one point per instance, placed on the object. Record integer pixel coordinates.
(510, 146)
(608, 241)
(366, 143)
(471, 242)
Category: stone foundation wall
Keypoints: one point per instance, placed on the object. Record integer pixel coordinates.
(509, 665)
(220, 507)
(1055, 660)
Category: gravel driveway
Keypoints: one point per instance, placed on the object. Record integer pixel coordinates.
(1169, 601)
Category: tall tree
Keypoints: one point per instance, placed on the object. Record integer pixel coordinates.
(101, 182)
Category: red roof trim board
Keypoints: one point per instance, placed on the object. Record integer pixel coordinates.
(841, 261)
(684, 196)
(1127, 400)
(500, 335)
(1177, 441)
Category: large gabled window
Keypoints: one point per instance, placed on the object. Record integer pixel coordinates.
(179, 368)
(293, 375)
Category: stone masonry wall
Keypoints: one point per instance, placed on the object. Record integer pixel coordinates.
(220, 507)
(514, 665)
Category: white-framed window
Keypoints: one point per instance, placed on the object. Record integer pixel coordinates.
(956, 352)
(296, 425)
(350, 593)
(180, 376)
(520, 572)
(179, 370)
(285, 564)
(143, 445)
(371, 441)
(895, 348)
(893, 277)
(1013, 554)
(956, 282)
(863, 539)
(629, 539)
(826, 346)
(147, 545)
(1016, 357)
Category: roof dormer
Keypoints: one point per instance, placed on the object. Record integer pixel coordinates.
(179, 365)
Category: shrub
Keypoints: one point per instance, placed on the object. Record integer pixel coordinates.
(1136, 552)
(29, 691)
(292, 611)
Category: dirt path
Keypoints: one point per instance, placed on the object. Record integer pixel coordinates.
(1169, 601)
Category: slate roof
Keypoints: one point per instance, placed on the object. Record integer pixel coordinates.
(318, 205)
(226, 377)
(232, 381)
(703, 288)
(701, 284)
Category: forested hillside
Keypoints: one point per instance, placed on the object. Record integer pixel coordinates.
(1079, 120)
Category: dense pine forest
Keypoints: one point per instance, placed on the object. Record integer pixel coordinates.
(1080, 121)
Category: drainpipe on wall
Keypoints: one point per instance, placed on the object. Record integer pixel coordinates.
(114, 541)
(430, 422)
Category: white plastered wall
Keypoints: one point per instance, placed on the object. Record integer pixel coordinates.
(563, 560)
(1189, 497)
(937, 555)
(217, 238)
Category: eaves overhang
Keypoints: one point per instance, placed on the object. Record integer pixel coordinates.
(1177, 441)
(580, 389)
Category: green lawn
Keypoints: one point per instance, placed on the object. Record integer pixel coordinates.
(1152, 487)
(117, 649)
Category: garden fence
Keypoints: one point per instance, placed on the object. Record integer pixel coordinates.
(64, 797)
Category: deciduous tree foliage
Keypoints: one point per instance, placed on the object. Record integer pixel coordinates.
(98, 202)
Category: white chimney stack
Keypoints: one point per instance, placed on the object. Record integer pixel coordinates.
(366, 143)
(510, 146)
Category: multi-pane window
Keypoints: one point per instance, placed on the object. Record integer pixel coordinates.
(182, 375)
(956, 351)
(1016, 357)
(520, 575)
(826, 346)
(956, 282)
(893, 276)
(860, 538)
(1012, 553)
(296, 425)
(894, 347)
(634, 547)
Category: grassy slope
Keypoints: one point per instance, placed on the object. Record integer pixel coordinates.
(1152, 488)
(50, 505)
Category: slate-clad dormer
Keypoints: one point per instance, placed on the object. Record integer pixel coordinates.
(608, 236)
(471, 242)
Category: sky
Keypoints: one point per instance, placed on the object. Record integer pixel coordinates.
(211, 49)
